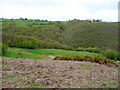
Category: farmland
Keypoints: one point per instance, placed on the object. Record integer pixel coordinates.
(27, 22)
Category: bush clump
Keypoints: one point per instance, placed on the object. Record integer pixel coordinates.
(96, 59)
(24, 42)
(80, 49)
(118, 56)
(112, 54)
(95, 50)
(4, 48)
(48, 43)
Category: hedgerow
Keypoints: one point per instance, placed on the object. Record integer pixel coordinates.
(90, 49)
(112, 54)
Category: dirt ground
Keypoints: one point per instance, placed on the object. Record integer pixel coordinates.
(29, 73)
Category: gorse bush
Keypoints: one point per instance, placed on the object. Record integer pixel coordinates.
(112, 54)
(109, 53)
(96, 59)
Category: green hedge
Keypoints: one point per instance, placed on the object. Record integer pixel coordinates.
(90, 49)
(112, 54)
(4, 48)
(96, 59)
(118, 56)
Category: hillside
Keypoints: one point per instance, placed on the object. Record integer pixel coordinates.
(88, 34)
(59, 54)
(71, 34)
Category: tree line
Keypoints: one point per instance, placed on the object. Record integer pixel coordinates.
(61, 35)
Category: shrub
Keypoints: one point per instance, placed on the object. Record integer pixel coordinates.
(112, 54)
(52, 44)
(4, 49)
(96, 59)
(67, 47)
(0, 48)
(118, 58)
(96, 50)
(24, 42)
(80, 49)
(49, 44)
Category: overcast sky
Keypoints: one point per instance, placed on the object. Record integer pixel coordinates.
(54, 10)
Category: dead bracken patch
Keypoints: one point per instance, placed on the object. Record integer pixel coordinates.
(28, 73)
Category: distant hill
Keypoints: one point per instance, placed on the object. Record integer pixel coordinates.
(74, 33)
(90, 34)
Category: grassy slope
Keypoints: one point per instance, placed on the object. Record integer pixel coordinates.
(36, 53)
(13, 54)
(57, 52)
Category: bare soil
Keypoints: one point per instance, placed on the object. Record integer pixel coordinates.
(29, 73)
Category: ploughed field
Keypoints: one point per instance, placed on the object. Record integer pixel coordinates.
(37, 73)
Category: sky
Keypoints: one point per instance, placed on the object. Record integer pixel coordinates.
(60, 10)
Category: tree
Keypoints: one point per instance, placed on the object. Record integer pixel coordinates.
(25, 18)
(24, 42)
(21, 18)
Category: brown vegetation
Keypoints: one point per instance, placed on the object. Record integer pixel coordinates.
(24, 73)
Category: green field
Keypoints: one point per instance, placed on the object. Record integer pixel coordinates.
(60, 52)
(13, 54)
(34, 53)
(26, 22)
